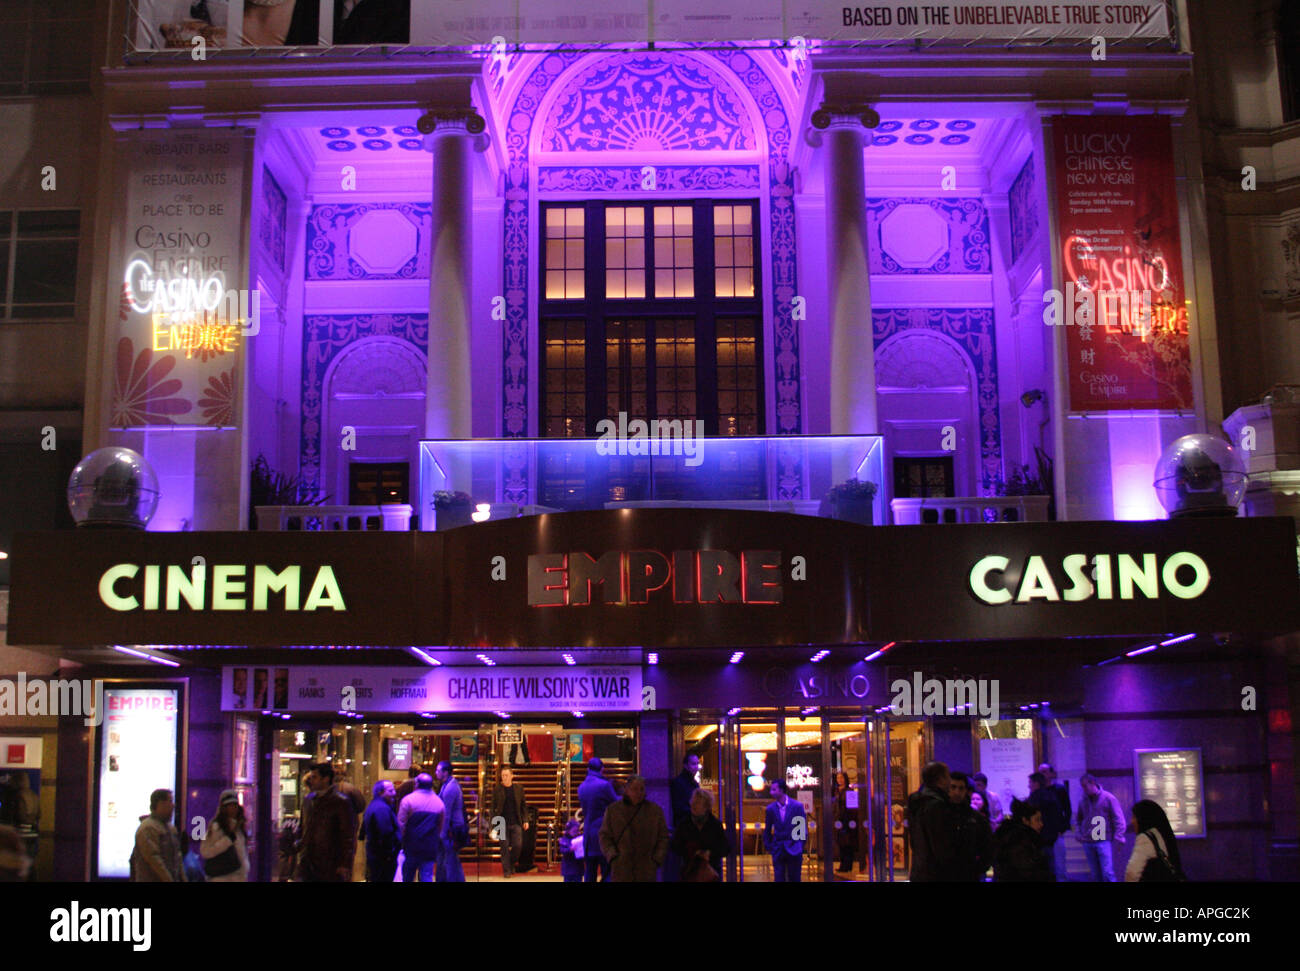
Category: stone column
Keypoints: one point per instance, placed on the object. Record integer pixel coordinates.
(853, 359)
(447, 401)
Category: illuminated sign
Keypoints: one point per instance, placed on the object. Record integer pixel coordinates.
(228, 587)
(137, 754)
(1037, 582)
(629, 577)
(801, 777)
(190, 312)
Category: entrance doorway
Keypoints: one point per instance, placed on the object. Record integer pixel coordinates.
(547, 758)
(835, 763)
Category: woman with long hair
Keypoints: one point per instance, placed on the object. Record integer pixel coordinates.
(225, 847)
(1155, 856)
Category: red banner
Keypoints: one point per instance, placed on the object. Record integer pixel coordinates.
(1122, 265)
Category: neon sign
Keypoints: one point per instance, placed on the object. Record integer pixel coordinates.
(629, 577)
(190, 314)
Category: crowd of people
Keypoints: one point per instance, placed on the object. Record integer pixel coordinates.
(958, 831)
(957, 827)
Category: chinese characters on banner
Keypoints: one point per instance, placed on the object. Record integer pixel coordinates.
(180, 315)
(1121, 297)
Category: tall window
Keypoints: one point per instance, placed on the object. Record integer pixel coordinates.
(38, 260)
(652, 309)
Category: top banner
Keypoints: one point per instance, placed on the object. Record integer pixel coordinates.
(181, 24)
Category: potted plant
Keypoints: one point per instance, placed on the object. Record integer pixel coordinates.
(451, 509)
(1025, 480)
(267, 487)
(852, 500)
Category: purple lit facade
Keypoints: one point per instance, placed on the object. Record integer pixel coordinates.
(669, 233)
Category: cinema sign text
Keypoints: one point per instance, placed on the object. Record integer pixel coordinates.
(121, 587)
(1037, 581)
(631, 576)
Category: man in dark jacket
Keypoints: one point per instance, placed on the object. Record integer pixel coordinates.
(596, 794)
(974, 834)
(379, 830)
(421, 819)
(509, 819)
(329, 831)
(931, 827)
(1055, 821)
(785, 830)
(680, 789)
(1017, 847)
(456, 832)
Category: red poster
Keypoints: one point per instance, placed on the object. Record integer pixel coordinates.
(1122, 289)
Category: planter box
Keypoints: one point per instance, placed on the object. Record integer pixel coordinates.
(850, 510)
(452, 517)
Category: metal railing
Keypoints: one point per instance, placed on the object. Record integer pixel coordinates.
(970, 509)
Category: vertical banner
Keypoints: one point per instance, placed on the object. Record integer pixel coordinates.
(180, 313)
(1122, 296)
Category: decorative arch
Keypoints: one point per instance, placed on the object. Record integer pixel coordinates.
(582, 101)
(966, 334)
(918, 360)
(377, 367)
(326, 338)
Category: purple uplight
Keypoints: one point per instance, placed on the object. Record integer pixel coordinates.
(1142, 650)
(1177, 640)
(735, 658)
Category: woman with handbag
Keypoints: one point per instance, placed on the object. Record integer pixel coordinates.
(701, 842)
(1155, 856)
(225, 847)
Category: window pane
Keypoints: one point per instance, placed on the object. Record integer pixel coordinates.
(636, 284)
(614, 222)
(554, 253)
(744, 283)
(614, 254)
(49, 222)
(573, 253)
(554, 285)
(573, 283)
(554, 222)
(574, 224)
(663, 221)
(722, 219)
(614, 284)
(663, 283)
(682, 219)
(636, 221)
(45, 272)
(682, 253)
(685, 283)
(724, 282)
(663, 253)
(636, 252)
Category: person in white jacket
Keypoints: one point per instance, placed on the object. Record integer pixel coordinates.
(1153, 830)
(228, 829)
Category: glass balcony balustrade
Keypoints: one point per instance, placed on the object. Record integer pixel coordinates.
(468, 481)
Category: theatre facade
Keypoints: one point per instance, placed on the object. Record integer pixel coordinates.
(792, 402)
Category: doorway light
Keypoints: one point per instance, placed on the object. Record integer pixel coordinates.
(735, 658)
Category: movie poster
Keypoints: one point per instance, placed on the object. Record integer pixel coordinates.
(1122, 297)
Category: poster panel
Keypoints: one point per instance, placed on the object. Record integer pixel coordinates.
(1122, 295)
(1172, 778)
(181, 311)
(1007, 762)
(137, 754)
